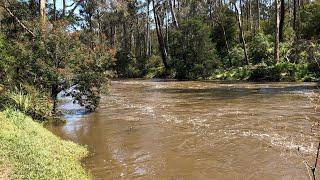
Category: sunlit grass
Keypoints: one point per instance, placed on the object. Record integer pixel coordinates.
(30, 151)
(27, 100)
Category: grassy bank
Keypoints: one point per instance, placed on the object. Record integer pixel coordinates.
(29, 151)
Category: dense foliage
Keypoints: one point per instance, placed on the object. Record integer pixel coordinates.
(51, 58)
(73, 47)
(79, 45)
(201, 39)
(192, 54)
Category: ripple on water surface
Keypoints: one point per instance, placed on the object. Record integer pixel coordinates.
(198, 130)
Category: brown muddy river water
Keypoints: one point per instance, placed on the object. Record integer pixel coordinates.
(197, 130)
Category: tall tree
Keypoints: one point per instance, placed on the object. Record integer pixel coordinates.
(173, 14)
(241, 33)
(55, 10)
(161, 41)
(277, 29)
(42, 12)
(258, 14)
(294, 14)
(64, 7)
(282, 20)
(148, 41)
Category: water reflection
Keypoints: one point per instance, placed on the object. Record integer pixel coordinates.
(197, 130)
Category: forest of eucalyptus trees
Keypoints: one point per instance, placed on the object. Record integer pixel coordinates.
(53, 49)
(191, 39)
(54, 45)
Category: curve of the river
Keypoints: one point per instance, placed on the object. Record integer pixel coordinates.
(198, 130)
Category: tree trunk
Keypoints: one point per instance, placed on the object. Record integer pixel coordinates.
(258, 14)
(167, 26)
(241, 34)
(42, 12)
(162, 48)
(241, 12)
(247, 14)
(277, 39)
(64, 7)
(33, 7)
(250, 14)
(173, 14)
(148, 52)
(210, 8)
(282, 18)
(55, 10)
(54, 97)
(226, 43)
(294, 14)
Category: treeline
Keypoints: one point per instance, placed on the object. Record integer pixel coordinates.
(191, 39)
(50, 46)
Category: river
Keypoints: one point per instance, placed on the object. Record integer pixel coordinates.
(154, 129)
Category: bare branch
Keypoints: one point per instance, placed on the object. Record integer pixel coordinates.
(17, 19)
(75, 7)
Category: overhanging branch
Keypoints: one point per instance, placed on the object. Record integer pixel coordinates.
(17, 19)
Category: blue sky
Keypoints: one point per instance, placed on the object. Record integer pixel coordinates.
(59, 3)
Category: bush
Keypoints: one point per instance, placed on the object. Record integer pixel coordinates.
(260, 49)
(158, 72)
(240, 73)
(294, 72)
(27, 100)
(91, 79)
(263, 72)
(237, 56)
(191, 51)
(126, 64)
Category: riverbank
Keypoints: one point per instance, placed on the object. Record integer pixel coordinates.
(29, 151)
(279, 72)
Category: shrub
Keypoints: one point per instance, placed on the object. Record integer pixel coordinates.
(240, 73)
(191, 50)
(263, 72)
(27, 100)
(125, 64)
(260, 49)
(237, 56)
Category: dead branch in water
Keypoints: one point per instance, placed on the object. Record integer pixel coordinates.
(315, 163)
(306, 163)
(315, 100)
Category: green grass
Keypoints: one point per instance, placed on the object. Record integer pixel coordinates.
(29, 151)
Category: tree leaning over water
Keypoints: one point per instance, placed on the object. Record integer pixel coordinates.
(45, 53)
(44, 46)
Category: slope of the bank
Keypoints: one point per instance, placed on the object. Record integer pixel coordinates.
(29, 151)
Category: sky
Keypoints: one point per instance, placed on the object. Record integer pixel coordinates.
(59, 3)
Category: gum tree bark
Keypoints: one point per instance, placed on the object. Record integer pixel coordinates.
(173, 14)
(162, 46)
(241, 33)
(42, 12)
(277, 38)
(282, 18)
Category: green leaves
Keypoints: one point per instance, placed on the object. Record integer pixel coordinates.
(192, 53)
